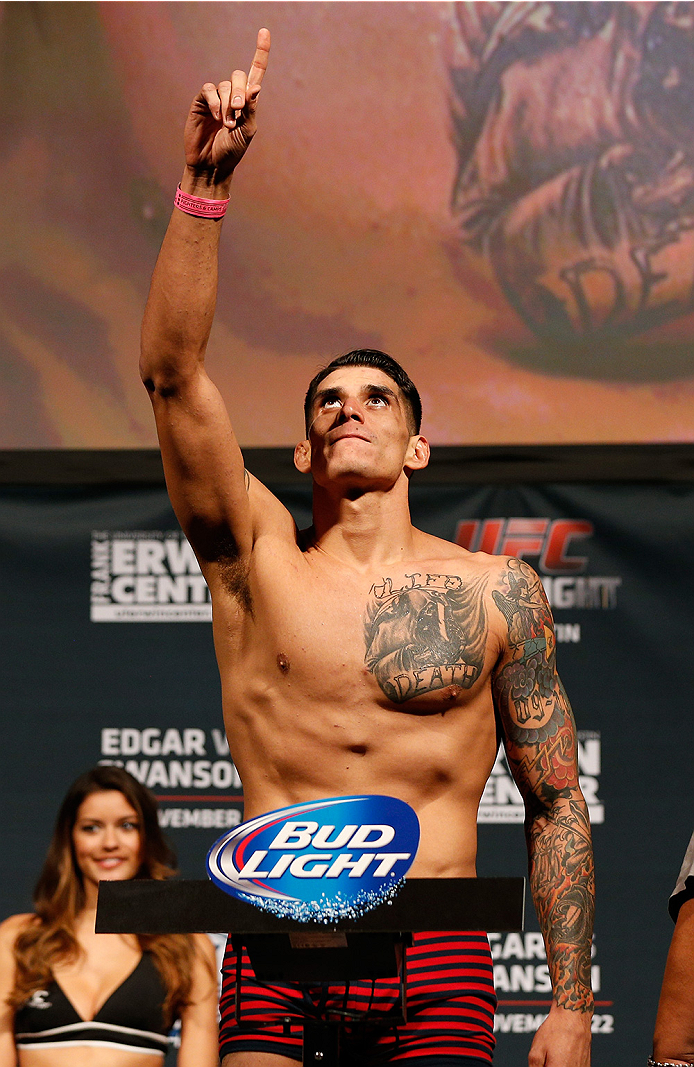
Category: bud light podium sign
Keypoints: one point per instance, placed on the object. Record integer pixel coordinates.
(323, 860)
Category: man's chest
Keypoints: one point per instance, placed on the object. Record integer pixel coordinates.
(419, 633)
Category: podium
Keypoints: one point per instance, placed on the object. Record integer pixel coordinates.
(284, 950)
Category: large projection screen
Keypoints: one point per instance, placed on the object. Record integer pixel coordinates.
(499, 194)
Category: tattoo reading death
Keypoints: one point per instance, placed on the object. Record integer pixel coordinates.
(426, 634)
(541, 748)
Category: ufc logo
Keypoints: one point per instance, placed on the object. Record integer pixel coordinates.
(549, 539)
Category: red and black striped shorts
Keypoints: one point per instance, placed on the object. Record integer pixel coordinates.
(450, 1008)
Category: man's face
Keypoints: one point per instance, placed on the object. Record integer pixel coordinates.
(359, 433)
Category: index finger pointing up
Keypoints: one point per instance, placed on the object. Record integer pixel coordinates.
(259, 64)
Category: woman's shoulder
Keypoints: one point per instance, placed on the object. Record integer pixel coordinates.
(11, 928)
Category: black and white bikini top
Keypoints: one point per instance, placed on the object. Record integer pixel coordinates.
(131, 1019)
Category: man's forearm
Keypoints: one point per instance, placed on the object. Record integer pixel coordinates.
(674, 1026)
(562, 884)
(220, 126)
(181, 305)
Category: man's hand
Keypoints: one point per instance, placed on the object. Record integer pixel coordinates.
(221, 122)
(563, 1040)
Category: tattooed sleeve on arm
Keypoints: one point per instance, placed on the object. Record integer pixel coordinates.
(540, 740)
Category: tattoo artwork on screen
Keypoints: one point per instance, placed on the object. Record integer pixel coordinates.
(582, 203)
(427, 634)
(540, 741)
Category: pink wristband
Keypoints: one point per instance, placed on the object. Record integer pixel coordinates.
(199, 206)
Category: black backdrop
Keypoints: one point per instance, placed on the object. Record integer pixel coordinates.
(143, 689)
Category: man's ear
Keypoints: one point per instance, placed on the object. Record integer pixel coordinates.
(302, 457)
(418, 453)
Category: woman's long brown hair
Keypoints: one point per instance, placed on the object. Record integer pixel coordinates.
(59, 897)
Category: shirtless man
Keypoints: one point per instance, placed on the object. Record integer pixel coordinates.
(362, 655)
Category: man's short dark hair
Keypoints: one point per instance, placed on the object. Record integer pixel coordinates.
(371, 357)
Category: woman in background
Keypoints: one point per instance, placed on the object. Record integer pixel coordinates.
(72, 998)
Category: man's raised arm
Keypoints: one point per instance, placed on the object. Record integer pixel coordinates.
(540, 741)
(202, 460)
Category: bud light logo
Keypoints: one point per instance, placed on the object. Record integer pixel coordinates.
(323, 860)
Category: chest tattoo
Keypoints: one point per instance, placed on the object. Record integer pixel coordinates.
(429, 633)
